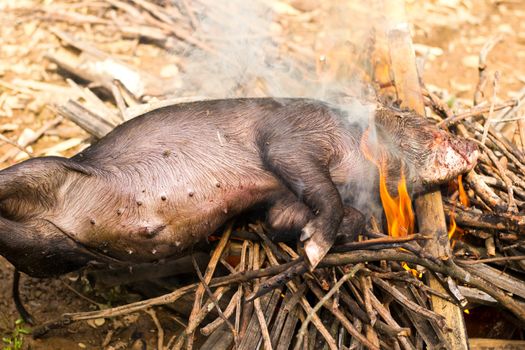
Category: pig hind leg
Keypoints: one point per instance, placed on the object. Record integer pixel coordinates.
(287, 216)
(304, 174)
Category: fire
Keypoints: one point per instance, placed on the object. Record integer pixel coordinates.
(414, 272)
(398, 210)
(453, 225)
(463, 199)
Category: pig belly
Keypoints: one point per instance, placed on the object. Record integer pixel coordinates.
(147, 219)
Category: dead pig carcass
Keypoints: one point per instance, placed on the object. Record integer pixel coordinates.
(159, 183)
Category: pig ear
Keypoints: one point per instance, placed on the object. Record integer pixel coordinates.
(39, 249)
(72, 165)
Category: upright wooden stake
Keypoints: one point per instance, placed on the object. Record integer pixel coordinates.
(429, 207)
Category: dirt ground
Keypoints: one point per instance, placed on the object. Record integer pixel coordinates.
(449, 35)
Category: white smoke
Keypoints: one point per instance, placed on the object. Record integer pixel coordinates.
(256, 54)
(252, 55)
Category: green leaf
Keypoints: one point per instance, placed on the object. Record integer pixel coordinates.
(24, 331)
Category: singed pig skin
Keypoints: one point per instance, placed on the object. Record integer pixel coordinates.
(159, 183)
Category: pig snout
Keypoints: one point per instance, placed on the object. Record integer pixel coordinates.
(429, 154)
(449, 157)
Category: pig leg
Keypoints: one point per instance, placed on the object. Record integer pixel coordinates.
(288, 216)
(352, 225)
(311, 182)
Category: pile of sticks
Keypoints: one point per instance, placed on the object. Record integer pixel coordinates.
(253, 292)
(360, 296)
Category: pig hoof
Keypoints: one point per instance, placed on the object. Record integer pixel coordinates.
(315, 249)
(315, 244)
(307, 232)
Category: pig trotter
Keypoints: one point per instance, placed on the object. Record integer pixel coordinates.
(353, 224)
(317, 245)
(286, 218)
(311, 183)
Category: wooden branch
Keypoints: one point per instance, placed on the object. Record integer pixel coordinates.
(476, 219)
(501, 279)
(87, 120)
(210, 270)
(403, 300)
(323, 300)
(482, 66)
(429, 207)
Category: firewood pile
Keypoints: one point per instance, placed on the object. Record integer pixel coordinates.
(106, 62)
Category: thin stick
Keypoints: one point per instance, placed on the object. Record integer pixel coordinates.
(482, 66)
(366, 287)
(214, 300)
(171, 342)
(80, 294)
(240, 289)
(160, 330)
(382, 240)
(488, 260)
(119, 100)
(322, 301)
(212, 326)
(17, 145)
(107, 338)
(521, 127)
(257, 305)
(491, 111)
(217, 253)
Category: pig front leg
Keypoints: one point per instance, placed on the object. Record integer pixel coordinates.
(353, 223)
(310, 181)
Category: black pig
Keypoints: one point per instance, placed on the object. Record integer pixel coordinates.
(159, 183)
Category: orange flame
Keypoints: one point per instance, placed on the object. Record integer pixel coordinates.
(414, 272)
(398, 210)
(463, 198)
(452, 224)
